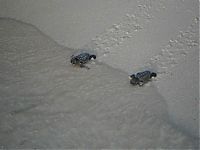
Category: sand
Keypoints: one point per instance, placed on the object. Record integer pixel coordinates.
(47, 103)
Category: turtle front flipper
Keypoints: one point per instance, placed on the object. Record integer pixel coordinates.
(84, 66)
(141, 83)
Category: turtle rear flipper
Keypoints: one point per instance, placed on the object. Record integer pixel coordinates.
(134, 81)
(74, 61)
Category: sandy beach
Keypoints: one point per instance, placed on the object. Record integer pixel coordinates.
(47, 103)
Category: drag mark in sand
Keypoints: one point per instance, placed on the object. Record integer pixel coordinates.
(175, 50)
(120, 32)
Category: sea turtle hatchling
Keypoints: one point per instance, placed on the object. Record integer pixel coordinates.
(141, 77)
(81, 59)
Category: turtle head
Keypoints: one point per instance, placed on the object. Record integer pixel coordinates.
(153, 75)
(92, 57)
(132, 76)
